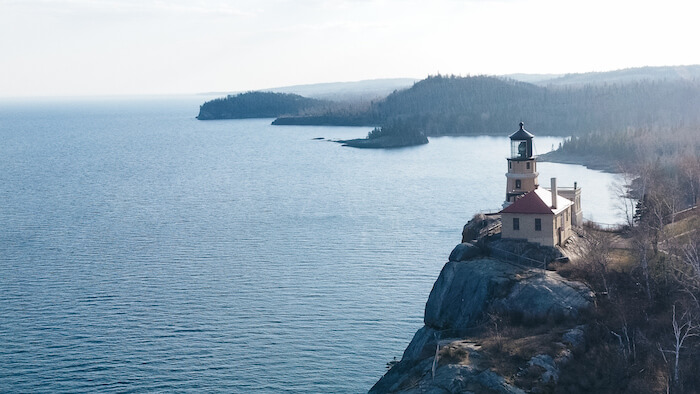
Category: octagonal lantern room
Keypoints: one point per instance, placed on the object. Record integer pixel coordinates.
(521, 144)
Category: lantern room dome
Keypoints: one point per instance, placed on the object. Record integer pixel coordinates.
(521, 144)
(521, 134)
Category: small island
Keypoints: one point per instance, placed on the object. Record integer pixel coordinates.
(395, 135)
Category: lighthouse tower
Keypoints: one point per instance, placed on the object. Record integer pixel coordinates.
(522, 166)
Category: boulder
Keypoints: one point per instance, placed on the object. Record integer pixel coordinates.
(480, 227)
(545, 296)
(465, 251)
(494, 382)
(546, 362)
(575, 337)
(464, 291)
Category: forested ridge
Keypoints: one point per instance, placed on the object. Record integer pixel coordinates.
(483, 105)
(449, 105)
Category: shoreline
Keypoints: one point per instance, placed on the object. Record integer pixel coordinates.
(589, 161)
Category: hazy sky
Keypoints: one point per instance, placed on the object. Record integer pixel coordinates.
(95, 47)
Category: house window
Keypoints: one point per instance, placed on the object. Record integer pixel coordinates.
(517, 184)
(527, 165)
(538, 224)
(516, 224)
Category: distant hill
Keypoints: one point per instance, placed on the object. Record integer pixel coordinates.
(452, 105)
(441, 105)
(373, 89)
(536, 79)
(667, 73)
(366, 90)
(349, 91)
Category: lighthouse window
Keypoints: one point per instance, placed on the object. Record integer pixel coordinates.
(518, 185)
(538, 224)
(516, 224)
(527, 165)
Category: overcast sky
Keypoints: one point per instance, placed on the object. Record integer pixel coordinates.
(102, 47)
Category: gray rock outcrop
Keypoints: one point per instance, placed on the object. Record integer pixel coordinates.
(480, 227)
(467, 290)
(465, 251)
(546, 362)
(425, 376)
(575, 338)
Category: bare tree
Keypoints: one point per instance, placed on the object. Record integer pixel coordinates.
(690, 170)
(682, 330)
(625, 203)
(668, 197)
(687, 269)
(641, 240)
(597, 254)
(691, 256)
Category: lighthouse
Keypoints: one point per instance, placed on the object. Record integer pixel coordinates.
(522, 166)
(532, 213)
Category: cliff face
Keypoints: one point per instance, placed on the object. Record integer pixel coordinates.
(491, 326)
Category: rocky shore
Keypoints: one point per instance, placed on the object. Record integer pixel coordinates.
(594, 162)
(492, 325)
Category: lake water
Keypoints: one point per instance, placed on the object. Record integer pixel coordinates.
(143, 250)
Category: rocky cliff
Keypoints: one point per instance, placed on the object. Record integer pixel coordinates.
(492, 326)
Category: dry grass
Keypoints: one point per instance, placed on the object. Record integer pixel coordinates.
(691, 223)
(682, 231)
(514, 346)
(622, 260)
(456, 352)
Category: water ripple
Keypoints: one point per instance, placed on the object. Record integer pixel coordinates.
(142, 250)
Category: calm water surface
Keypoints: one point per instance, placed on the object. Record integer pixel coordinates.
(143, 250)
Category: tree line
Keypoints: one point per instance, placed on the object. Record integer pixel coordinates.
(661, 162)
(258, 105)
(644, 335)
(482, 105)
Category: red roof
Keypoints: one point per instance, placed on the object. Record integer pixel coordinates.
(537, 201)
